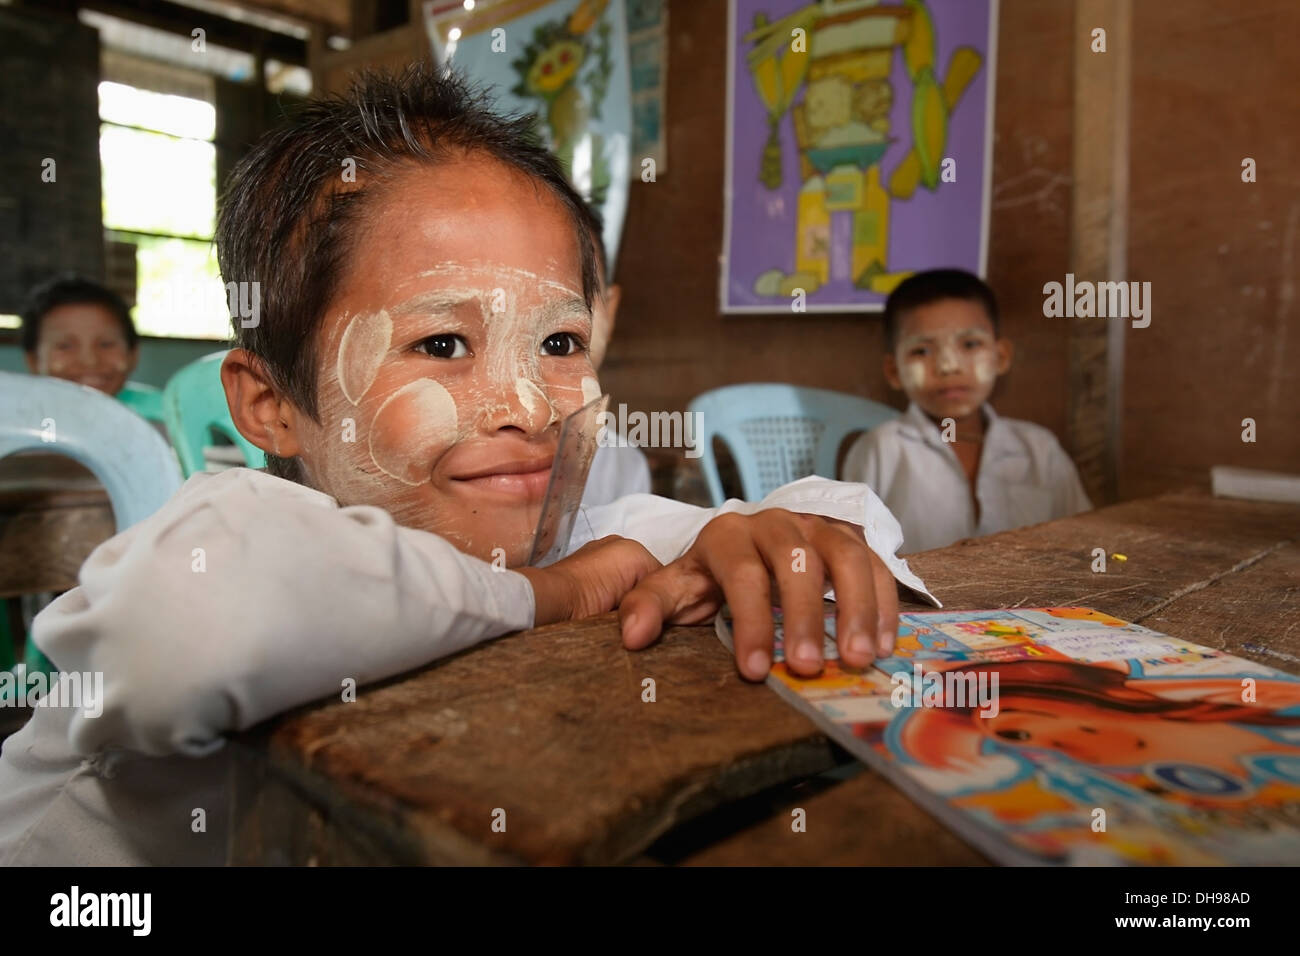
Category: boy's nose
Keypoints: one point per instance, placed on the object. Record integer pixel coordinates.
(522, 404)
(946, 361)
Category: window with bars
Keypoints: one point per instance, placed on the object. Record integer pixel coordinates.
(159, 172)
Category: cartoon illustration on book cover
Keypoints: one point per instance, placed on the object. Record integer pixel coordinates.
(1063, 735)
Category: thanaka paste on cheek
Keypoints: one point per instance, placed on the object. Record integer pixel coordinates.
(986, 368)
(913, 373)
(590, 390)
(415, 420)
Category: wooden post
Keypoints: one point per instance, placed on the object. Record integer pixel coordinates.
(1099, 239)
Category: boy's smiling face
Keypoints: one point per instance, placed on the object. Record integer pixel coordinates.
(454, 347)
(947, 358)
(83, 342)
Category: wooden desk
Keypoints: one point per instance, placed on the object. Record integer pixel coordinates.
(53, 513)
(550, 727)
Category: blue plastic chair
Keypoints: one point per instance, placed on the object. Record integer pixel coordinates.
(194, 405)
(144, 400)
(778, 433)
(128, 456)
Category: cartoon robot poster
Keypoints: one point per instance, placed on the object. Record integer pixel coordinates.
(859, 148)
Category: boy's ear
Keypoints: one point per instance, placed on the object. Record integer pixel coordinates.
(1006, 352)
(613, 296)
(602, 324)
(33, 365)
(891, 372)
(260, 413)
(132, 360)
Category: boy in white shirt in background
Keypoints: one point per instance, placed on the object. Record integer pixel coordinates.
(423, 331)
(950, 467)
(617, 469)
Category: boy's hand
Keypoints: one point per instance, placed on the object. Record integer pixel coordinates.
(590, 581)
(734, 561)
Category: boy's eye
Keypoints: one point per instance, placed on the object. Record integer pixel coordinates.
(561, 343)
(444, 346)
(918, 352)
(974, 343)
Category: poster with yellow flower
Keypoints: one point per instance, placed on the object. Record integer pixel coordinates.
(565, 63)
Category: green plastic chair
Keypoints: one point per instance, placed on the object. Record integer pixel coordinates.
(194, 406)
(145, 400)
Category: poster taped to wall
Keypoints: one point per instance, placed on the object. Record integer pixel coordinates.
(566, 63)
(859, 148)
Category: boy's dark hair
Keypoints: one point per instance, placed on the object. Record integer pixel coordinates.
(596, 224)
(288, 220)
(71, 289)
(934, 285)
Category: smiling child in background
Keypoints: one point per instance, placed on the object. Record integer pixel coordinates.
(951, 468)
(77, 330)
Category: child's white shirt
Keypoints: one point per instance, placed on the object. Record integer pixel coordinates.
(616, 470)
(247, 595)
(1025, 477)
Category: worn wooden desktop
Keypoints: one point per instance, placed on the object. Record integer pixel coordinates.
(549, 726)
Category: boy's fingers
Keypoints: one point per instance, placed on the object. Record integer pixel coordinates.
(641, 614)
(677, 593)
(800, 576)
(740, 578)
(884, 625)
(851, 567)
(886, 607)
(747, 590)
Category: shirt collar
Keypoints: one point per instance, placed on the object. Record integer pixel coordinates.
(918, 424)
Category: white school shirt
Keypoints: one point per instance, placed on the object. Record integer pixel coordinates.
(616, 470)
(296, 594)
(1025, 477)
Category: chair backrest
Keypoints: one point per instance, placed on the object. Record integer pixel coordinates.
(144, 400)
(779, 433)
(126, 453)
(194, 404)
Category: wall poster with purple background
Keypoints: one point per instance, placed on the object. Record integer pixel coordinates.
(859, 148)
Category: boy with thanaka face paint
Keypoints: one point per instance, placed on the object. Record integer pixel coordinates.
(951, 468)
(424, 330)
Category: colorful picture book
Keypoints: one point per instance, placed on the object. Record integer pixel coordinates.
(1062, 735)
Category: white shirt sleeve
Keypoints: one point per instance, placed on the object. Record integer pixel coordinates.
(668, 528)
(247, 595)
